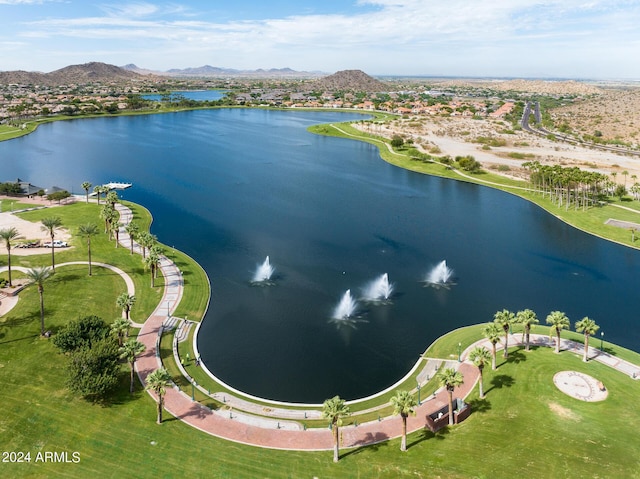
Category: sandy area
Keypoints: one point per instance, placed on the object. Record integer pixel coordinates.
(456, 136)
(29, 230)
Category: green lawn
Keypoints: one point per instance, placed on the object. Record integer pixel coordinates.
(525, 426)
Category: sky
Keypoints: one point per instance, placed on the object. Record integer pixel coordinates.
(582, 39)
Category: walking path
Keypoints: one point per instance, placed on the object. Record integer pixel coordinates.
(278, 427)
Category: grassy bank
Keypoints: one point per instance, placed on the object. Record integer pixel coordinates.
(591, 221)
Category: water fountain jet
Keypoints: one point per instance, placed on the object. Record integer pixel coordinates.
(263, 272)
(379, 290)
(346, 308)
(440, 275)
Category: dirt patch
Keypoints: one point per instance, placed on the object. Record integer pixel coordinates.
(563, 412)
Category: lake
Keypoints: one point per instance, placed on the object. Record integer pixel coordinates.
(232, 186)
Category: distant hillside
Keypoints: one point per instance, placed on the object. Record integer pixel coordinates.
(352, 80)
(77, 74)
(210, 71)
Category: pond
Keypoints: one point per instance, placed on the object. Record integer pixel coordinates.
(233, 186)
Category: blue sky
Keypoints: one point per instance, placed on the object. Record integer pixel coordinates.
(494, 38)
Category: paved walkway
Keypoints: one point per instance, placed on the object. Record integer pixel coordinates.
(281, 430)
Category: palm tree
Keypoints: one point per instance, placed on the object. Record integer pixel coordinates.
(98, 191)
(492, 332)
(87, 231)
(450, 379)
(335, 409)
(9, 235)
(589, 327)
(504, 319)
(120, 329)
(50, 225)
(152, 261)
(109, 215)
(403, 403)
(38, 276)
(130, 351)
(132, 229)
(116, 231)
(111, 198)
(157, 381)
(558, 321)
(527, 318)
(86, 186)
(480, 356)
(146, 240)
(125, 301)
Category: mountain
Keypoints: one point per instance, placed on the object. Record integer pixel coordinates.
(352, 80)
(76, 74)
(210, 71)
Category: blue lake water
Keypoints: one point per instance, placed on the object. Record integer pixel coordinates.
(230, 187)
(198, 95)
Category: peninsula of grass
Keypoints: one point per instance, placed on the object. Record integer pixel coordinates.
(591, 221)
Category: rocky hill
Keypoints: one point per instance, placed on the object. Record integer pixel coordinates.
(349, 80)
(73, 74)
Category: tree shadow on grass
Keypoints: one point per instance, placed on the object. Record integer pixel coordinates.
(479, 405)
(425, 435)
(371, 441)
(501, 381)
(516, 357)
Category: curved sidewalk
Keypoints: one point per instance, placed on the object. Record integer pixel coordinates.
(272, 433)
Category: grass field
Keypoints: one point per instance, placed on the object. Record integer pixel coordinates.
(524, 427)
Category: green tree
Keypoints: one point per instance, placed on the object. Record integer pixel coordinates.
(129, 351)
(558, 321)
(87, 232)
(505, 319)
(81, 333)
(9, 235)
(403, 404)
(157, 381)
(335, 409)
(120, 329)
(125, 301)
(480, 356)
(588, 327)
(146, 240)
(526, 318)
(50, 225)
(132, 229)
(152, 262)
(492, 332)
(450, 379)
(86, 186)
(38, 276)
(93, 371)
(397, 141)
(110, 216)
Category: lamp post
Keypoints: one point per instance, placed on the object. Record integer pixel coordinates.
(418, 394)
(601, 340)
(193, 390)
(459, 350)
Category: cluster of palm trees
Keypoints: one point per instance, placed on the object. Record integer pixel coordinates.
(505, 319)
(572, 187)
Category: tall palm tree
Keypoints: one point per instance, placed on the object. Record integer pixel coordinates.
(157, 381)
(505, 319)
(132, 229)
(558, 321)
(480, 356)
(492, 332)
(589, 327)
(38, 276)
(146, 240)
(109, 215)
(98, 191)
(450, 379)
(404, 404)
(130, 351)
(335, 409)
(125, 301)
(526, 318)
(86, 186)
(50, 225)
(9, 235)
(120, 329)
(87, 232)
(152, 261)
